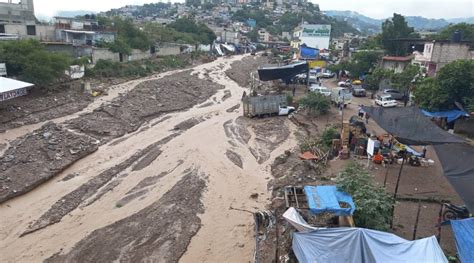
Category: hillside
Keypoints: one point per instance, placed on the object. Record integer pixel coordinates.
(370, 25)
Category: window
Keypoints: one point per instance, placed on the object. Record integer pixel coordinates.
(2, 29)
(31, 30)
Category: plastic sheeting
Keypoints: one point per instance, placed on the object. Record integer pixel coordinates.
(309, 53)
(410, 126)
(464, 234)
(342, 245)
(295, 219)
(456, 159)
(326, 198)
(451, 115)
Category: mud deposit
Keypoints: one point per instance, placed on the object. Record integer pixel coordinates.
(40, 106)
(72, 200)
(148, 100)
(35, 158)
(240, 71)
(149, 235)
(235, 158)
(269, 134)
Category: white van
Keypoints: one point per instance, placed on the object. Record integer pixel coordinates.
(341, 95)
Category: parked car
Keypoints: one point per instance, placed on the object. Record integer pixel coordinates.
(328, 75)
(318, 89)
(397, 95)
(356, 82)
(385, 101)
(358, 91)
(344, 84)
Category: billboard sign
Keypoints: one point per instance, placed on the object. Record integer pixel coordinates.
(3, 69)
(316, 31)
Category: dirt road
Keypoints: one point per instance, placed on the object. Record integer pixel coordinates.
(165, 191)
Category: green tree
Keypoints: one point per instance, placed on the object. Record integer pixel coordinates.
(129, 34)
(373, 80)
(373, 205)
(404, 80)
(27, 60)
(203, 33)
(363, 62)
(315, 102)
(392, 31)
(454, 83)
(466, 30)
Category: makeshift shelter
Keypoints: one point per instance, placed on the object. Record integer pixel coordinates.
(464, 235)
(295, 219)
(11, 88)
(458, 166)
(450, 116)
(326, 198)
(410, 126)
(334, 245)
(284, 73)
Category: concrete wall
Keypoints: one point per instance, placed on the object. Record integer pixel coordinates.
(394, 65)
(168, 50)
(316, 42)
(105, 54)
(43, 32)
(18, 13)
(444, 53)
(137, 55)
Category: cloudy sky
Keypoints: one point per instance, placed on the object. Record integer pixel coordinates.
(371, 8)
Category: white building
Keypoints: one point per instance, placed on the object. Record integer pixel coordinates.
(263, 36)
(314, 36)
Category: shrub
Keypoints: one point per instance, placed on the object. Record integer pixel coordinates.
(316, 102)
(328, 135)
(29, 61)
(373, 205)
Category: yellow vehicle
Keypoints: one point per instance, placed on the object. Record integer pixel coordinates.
(356, 82)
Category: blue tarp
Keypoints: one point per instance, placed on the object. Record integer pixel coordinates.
(326, 198)
(357, 245)
(309, 53)
(451, 115)
(464, 234)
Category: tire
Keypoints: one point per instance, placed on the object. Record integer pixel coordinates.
(449, 215)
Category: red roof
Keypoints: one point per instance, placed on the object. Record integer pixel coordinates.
(308, 156)
(395, 58)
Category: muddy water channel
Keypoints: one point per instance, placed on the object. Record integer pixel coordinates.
(171, 159)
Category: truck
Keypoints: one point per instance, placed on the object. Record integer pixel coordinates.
(266, 105)
(341, 95)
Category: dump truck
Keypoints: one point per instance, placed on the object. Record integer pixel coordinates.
(266, 105)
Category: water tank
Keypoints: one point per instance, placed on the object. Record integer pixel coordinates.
(456, 36)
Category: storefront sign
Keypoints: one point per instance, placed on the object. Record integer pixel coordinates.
(12, 94)
(316, 31)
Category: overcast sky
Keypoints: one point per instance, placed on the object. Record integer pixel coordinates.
(371, 8)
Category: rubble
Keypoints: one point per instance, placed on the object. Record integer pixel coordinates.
(39, 156)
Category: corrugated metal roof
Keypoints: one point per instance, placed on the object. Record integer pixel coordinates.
(7, 84)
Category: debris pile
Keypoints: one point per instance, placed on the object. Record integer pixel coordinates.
(38, 156)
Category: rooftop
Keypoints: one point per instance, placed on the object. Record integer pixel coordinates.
(398, 59)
